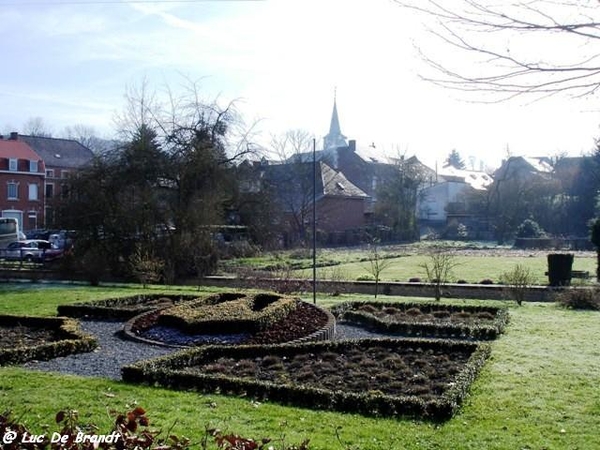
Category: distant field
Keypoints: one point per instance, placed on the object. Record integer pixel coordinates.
(473, 263)
(472, 269)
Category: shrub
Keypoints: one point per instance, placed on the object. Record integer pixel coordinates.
(145, 267)
(517, 280)
(580, 299)
(365, 278)
(486, 281)
(530, 229)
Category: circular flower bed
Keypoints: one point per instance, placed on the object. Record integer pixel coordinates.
(233, 318)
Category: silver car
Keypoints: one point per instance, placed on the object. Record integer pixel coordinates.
(36, 250)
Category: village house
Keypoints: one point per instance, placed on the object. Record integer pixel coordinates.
(33, 173)
(446, 200)
(61, 157)
(22, 174)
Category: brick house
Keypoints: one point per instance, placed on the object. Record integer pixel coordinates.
(367, 168)
(340, 205)
(22, 174)
(62, 157)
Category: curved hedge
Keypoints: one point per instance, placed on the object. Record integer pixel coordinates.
(121, 308)
(228, 312)
(70, 339)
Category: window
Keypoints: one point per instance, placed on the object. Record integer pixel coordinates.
(50, 173)
(33, 166)
(12, 164)
(64, 174)
(13, 190)
(33, 192)
(49, 190)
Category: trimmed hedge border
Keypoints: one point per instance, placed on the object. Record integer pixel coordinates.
(228, 313)
(348, 312)
(120, 308)
(170, 371)
(326, 333)
(72, 339)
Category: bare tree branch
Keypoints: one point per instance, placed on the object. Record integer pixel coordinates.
(540, 47)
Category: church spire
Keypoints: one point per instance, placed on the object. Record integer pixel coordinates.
(334, 138)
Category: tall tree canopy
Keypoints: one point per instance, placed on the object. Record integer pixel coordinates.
(164, 189)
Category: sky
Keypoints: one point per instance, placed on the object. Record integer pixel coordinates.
(281, 61)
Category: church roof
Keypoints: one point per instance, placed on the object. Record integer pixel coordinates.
(334, 138)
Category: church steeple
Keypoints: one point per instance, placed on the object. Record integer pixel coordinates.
(334, 138)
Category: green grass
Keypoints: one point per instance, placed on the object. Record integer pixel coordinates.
(472, 269)
(539, 390)
(406, 262)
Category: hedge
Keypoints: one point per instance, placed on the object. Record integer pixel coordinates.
(121, 308)
(426, 328)
(71, 339)
(224, 313)
(170, 371)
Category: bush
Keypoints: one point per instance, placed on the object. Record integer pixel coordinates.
(517, 280)
(530, 229)
(580, 299)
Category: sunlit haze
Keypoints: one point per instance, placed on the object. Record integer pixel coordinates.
(71, 62)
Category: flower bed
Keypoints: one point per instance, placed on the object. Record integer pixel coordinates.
(24, 338)
(122, 308)
(426, 319)
(227, 313)
(388, 377)
(303, 322)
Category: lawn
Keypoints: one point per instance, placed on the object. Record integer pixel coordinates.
(472, 264)
(539, 390)
(472, 269)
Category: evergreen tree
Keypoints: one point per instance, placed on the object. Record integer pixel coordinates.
(455, 160)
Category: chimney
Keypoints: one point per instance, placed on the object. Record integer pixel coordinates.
(352, 145)
(14, 136)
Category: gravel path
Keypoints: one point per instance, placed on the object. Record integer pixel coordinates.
(113, 352)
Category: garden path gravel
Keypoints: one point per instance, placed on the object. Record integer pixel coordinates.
(114, 352)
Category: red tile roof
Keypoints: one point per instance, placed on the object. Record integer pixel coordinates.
(17, 149)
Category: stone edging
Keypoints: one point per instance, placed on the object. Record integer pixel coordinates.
(325, 333)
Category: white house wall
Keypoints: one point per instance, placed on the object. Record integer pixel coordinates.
(434, 200)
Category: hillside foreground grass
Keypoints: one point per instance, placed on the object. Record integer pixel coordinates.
(539, 390)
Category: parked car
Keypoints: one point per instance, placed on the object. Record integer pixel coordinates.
(37, 250)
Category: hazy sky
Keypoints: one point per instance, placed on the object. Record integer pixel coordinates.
(70, 62)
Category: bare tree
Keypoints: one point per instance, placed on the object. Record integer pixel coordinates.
(377, 262)
(538, 47)
(438, 268)
(36, 126)
(293, 179)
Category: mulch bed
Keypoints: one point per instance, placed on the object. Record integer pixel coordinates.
(24, 336)
(396, 372)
